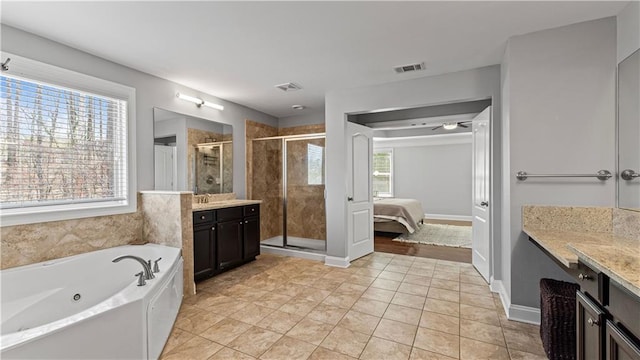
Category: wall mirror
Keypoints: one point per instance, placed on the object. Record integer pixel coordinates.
(191, 154)
(629, 132)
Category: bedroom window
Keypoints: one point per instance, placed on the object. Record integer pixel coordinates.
(383, 172)
(65, 145)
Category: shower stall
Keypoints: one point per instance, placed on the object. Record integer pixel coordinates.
(288, 175)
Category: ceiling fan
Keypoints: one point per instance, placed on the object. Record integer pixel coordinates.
(452, 125)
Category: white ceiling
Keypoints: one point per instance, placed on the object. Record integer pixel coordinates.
(239, 50)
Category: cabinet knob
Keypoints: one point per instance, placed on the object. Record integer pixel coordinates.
(246, 221)
(240, 222)
(584, 277)
(202, 217)
(592, 322)
(213, 228)
(252, 209)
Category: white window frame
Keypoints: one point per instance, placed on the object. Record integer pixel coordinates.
(391, 179)
(34, 70)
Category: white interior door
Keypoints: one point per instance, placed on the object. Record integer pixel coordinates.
(165, 167)
(359, 193)
(481, 238)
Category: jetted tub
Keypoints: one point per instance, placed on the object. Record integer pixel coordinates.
(87, 307)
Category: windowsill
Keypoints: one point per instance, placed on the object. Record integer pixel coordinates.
(43, 214)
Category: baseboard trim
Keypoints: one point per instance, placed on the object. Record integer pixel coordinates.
(291, 252)
(448, 217)
(337, 261)
(525, 314)
(497, 286)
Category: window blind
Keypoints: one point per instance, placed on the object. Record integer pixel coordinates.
(60, 145)
(382, 172)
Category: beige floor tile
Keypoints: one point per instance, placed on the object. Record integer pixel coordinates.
(313, 294)
(225, 331)
(477, 300)
(442, 307)
(341, 300)
(251, 295)
(368, 272)
(419, 290)
(255, 341)
(517, 325)
(522, 355)
(379, 349)
(272, 300)
(386, 284)
(290, 349)
(446, 275)
(475, 289)
(479, 314)
(311, 331)
(359, 322)
(360, 280)
(441, 294)
(390, 275)
(225, 305)
(417, 280)
(408, 300)
(371, 307)
(445, 284)
(379, 294)
(440, 322)
(397, 268)
(477, 350)
(279, 321)
(326, 284)
(197, 349)
(419, 354)
(187, 311)
(420, 271)
(290, 289)
(396, 331)
(376, 265)
(345, 341)
(447, 267)
(477, 280)
(230, 354)
(298, 306)
(402, 261)
(199, 323)
(177, 337)
(327, 314)
(251, 314)
(482, 332)
(350, 288)
(403, 314)
(326, 354)
(438, 342)
(523, 341)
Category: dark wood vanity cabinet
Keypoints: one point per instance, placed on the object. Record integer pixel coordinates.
(224, 239)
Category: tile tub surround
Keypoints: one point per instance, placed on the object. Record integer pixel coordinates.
(605, 250)
(289, 308)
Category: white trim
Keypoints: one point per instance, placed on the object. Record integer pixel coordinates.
(337, 261)
(497, 286)
(525, 314)
(448, 217)
(291, 252)
(42, 72)
(427, 140)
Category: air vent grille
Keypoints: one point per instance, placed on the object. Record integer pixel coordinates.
(289, 86)
(406, 68)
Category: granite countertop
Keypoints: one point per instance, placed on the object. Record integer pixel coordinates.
(615, 256)
(224, 204)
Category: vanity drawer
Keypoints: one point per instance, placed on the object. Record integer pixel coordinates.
(622, 305)
(229, 213)
(201, 217)
(588, 281)
(252, 210)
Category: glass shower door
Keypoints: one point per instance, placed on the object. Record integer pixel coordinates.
(266, 185)
(305, 216)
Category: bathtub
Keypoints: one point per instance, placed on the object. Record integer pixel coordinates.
(87, 307)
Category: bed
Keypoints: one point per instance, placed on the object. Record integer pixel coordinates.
(397, 215)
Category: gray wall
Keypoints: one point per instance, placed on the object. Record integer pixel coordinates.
(628, 30)
(559, 115)
(150, 91)
(439, 175)
(313, 118)
(467, 85)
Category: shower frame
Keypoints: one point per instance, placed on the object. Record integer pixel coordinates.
(284, 140)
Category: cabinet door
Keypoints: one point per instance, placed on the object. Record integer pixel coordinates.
(229, 243)
(589, 328)
(204, 251)
(251, 237)
(619, 345)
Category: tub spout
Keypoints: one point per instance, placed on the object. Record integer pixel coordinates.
(148, 274)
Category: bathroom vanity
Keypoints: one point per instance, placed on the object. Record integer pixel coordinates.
(226, 234)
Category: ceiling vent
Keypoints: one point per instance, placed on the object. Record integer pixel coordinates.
(406, 68)
(289, 86)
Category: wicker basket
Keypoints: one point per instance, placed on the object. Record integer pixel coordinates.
(558, 318)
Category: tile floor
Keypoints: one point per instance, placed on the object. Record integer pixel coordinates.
(384, 306)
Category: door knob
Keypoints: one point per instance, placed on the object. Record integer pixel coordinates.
(350, 198)
(484, 203)
(629, 174)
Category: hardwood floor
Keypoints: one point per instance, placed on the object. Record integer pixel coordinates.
(383, 242)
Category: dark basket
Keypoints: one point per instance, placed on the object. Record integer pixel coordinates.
(558, 318)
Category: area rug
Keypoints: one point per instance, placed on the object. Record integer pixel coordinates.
(439, 234)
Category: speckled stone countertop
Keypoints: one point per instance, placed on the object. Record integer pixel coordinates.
(572, 234)
(224, 204)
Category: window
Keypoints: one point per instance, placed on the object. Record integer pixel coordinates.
(383, 172)
(65, 145)
(315, 164)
